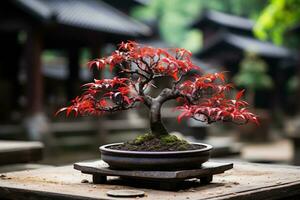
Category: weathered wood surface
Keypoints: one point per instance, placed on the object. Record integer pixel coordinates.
(12, 152)
(101, 168)
(244, 181)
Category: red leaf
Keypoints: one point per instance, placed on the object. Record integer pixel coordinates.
(180, 116)
(69, 110)
(127, 100)
(220, 76)
(102, 103)
(239, 94)
(175, 75)
(201, 94)
(111, 67)
(255, 120)
(90, 64)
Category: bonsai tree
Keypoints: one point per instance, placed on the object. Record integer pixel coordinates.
(202, 97)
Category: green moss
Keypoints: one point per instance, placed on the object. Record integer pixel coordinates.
(151, 142)
(143, 138)
(170, 140)
(167, 139)
(183, 147)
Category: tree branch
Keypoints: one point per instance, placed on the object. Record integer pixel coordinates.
(127, 71)
(116, 107)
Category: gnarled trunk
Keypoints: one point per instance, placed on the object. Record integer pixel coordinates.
(156, 125)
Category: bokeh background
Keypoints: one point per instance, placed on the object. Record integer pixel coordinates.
(45, 45)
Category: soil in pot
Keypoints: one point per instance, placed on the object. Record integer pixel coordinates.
(150, 142)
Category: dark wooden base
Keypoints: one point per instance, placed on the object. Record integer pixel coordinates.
(167, 180)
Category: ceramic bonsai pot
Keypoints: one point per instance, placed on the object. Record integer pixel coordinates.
(156, 161)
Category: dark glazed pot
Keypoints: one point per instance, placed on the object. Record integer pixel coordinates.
(165, 160)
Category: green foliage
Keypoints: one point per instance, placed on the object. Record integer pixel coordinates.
(276, 18)
(246, 8)
(293, 84)
(52, 55)
(174, 17)
(253, 74)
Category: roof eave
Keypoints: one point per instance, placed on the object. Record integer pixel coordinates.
(224, 38)
(36, 9)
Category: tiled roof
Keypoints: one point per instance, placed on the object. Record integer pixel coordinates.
(244, 43)
(223, 19)
(85, 14)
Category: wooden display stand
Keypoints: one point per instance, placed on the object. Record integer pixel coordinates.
(167, 180)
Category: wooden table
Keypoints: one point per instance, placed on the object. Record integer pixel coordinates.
(245, 181)
(12, 152)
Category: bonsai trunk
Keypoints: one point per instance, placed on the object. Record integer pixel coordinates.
(156, 125)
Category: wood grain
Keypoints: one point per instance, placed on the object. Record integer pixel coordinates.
(244, 181)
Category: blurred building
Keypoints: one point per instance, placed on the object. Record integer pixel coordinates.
(30, 27)
(226, 39)
(126, 5)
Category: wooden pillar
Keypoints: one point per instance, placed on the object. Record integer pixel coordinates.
(296, 137)
(16, 86)
(73, 82)
(36, 123)
(33, 52)
(10, 67)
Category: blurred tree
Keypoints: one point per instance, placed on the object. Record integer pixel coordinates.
(174, 17)
(276, 18)
(253, 76)
(250, 9)
(276, 23)
(293, 84)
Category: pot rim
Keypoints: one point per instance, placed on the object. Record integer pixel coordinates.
(207, 147)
